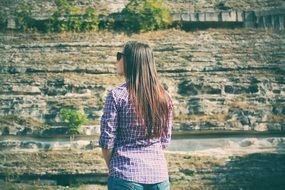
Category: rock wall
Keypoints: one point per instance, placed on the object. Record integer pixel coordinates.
(243, 166)
(219, 79)
(264, 14)
(217, 5)
(41, 8)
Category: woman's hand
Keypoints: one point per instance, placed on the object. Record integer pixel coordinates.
(107, 154)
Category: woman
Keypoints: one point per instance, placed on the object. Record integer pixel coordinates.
(136, 123)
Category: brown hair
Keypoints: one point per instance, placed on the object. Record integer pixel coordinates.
(145, 91)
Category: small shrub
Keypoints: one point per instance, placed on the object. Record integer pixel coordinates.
(110, 22)
(62, 4)
(69, 18)
(3, 22)
(145, 15)
(90, 20)
(23, 19)
(73, 118)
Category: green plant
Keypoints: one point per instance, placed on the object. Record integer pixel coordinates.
(145, 15)
(62, 4)
(3, 21)
(23, 19)
(53, 23)
(73, 118)
(69, 18)
(90, 20)
(58, 22)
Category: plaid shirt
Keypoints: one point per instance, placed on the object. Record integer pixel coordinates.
(133, 159)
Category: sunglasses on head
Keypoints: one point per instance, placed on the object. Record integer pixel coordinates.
(119, 56)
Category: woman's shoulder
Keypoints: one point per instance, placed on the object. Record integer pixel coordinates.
(120, 87)
(120, 91)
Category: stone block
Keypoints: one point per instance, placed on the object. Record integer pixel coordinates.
(176, 16)
(239, 16)
(201, 17)
(267, 20)
(89, 130)
(230, 16)
(26, 90)
(185, 17)
(259, 21)
(281, 22)
(249, 19)
(11, 24)
(212, 17)
(193, 17)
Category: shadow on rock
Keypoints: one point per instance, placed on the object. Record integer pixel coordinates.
(256, 171)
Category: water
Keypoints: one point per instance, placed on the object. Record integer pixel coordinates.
(205, 144)
(228, 145)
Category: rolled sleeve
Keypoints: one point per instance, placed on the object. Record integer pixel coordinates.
(108, 123)
(165, 140)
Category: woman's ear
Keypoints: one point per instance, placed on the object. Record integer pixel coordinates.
(120, 67)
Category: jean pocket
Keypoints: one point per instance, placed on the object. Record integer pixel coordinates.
(115, 183)
(164, 185)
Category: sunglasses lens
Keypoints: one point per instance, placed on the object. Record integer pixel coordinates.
(119, 56)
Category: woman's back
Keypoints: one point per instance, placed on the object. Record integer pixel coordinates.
(134, 157)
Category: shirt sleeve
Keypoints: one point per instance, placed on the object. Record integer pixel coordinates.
(108, 123)
(165, 140)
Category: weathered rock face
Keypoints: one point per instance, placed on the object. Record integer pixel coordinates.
(43, 8)
(219, 79)
(214, 5)
(46, 8)
(251, 164)
(199, 14)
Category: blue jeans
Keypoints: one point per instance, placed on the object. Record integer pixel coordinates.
(115, 183)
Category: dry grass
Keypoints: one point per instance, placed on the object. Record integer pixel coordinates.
(76, 79)
(23, 186)
(275, 119)
(52, 161)
(183, 168)
(244, 105)
(25, 121)
(200, 118)
(69, 161)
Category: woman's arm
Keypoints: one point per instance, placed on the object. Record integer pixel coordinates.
(165, 139)
(108, 128)
(107, 154)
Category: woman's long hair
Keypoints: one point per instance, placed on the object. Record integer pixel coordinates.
(145, 91)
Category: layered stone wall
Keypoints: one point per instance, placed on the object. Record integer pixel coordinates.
(219, 79)
(250, 164)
